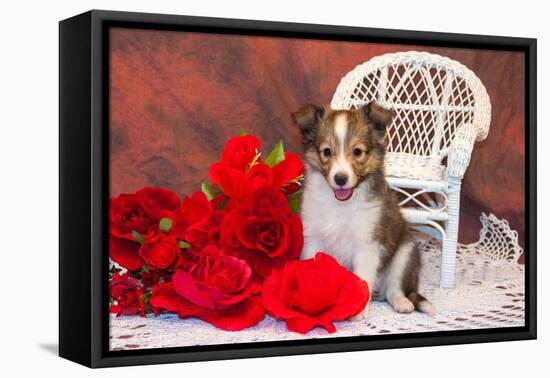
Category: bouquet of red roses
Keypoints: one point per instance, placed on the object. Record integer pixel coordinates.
(208, 255)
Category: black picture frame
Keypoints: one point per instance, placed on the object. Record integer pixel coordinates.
(84, 189)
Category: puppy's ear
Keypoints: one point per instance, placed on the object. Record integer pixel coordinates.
(378, 117)
(307, 119)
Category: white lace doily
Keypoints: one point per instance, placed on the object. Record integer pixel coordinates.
(489, 293)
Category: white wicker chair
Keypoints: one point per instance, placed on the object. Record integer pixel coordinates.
(442, 109)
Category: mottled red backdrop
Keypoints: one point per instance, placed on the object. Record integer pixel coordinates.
(176, 97)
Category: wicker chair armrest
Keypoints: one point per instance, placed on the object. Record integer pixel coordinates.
(461, 150)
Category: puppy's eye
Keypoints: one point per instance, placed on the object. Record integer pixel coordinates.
(327, 152)
(357, 152)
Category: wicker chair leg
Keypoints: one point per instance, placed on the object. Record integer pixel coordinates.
(448, 256)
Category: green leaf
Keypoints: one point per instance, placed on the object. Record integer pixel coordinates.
(165, 225)
(206, 190)
(140, 239)
(145, 268)
(276, 155)
(146, 296)
(294, 203)
(183, 244)
(242, 132)
(222, 205)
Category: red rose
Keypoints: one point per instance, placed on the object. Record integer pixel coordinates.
(126, 295)
(204, 233)
(243, 315)
(159, 203)
(199, 222)
(240, 151)
(160, 251)
(215, 281)
(230, 180)
(215, 288)
(260, 174)
(263, 231)
(287, 173)
(139, 212)
(127, 214)
(237, 183)
(314, 292)
(150, 279)
(196, 208)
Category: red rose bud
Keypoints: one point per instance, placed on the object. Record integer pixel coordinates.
(126, 294)
(314, 292)
(240, 151)
(160, 251)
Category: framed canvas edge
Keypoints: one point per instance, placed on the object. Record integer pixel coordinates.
(97, 323)
(75, 267)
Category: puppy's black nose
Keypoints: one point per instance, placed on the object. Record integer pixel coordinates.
(340, 179)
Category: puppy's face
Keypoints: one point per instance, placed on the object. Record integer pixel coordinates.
(346, 146)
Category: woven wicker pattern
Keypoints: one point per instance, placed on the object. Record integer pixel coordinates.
(442, 109)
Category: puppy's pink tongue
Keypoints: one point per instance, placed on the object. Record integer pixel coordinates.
(343, 194)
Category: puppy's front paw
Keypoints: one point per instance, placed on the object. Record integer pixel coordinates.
(402, 305)
(363, 315)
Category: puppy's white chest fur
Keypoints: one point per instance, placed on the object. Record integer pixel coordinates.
(339, 228)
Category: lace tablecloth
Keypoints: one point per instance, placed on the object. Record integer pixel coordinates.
(489, 293)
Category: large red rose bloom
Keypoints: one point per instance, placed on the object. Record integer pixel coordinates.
(314, 292)
(215, 281)
(213, 287)
(263, 231)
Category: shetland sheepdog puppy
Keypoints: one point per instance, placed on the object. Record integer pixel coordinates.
(347, 207)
